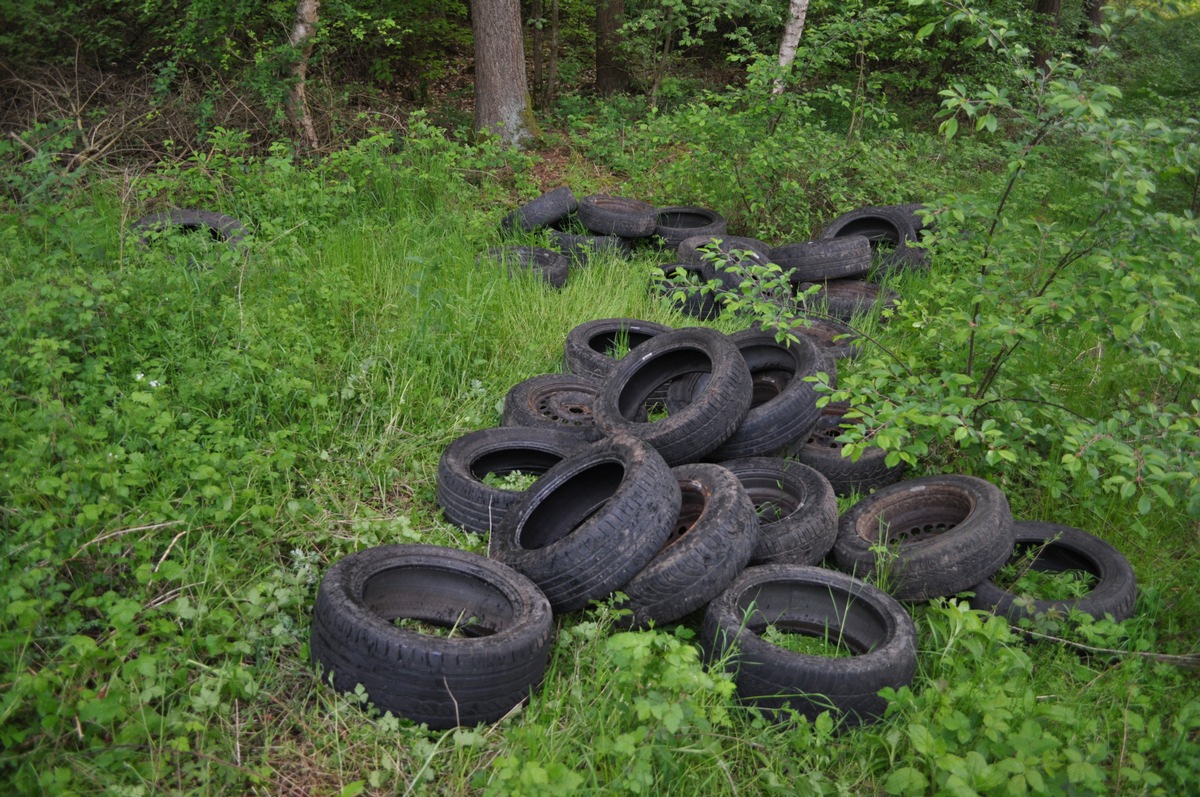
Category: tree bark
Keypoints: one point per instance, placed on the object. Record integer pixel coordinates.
(552, 61)
(538, 49)
(797, 12)
(1051, 9)
(611, 75)
(502, 104)
(1095, 15)
(296, 105)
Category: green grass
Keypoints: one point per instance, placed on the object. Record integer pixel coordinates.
(164, 534)
(827, 644)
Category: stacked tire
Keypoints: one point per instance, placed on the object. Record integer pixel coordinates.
(727, 506)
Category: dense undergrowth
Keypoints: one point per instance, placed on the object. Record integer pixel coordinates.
(191, 437)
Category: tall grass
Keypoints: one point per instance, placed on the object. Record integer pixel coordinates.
(191, 437)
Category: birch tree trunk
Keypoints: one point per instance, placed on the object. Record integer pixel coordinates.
(797, 11)
(502, 104)
(296, 105)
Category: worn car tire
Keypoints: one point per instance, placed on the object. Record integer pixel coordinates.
(444, 682)
(814, 602)
(477, 507)
(580, 249)
(711, 542)
(783, 406)
(892, 230)
(845, 299)
(587, 347)
(690, 248)
(715, 412)
(694, 302)
(541, 212)
(615, 215)
(554, 401)
(677, 224)
(824, 259)
(796, 510)
(833, 337)
(822, 451)
(944, 534)
(737, 253)
(218, 225)
(591, 522)
(551, 266)
(1058, 548)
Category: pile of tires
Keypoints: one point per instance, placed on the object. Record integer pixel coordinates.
(837, 274)
(579, 229)
(692, 473)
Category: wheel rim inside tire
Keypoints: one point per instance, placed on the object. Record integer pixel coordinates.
(695, 502)
(917, 516)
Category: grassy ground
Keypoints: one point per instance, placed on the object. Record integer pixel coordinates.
(192, 437)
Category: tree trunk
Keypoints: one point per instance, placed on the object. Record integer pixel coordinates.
(501, 89)
(611, 75)
(538, 50)
(660, 70)
(1049, 10)
(1095, 16)
(797, 11)
(552, 62)
(296, 105)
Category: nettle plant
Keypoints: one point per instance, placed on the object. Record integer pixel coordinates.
(1058, 345)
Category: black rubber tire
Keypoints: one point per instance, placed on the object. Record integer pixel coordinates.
(541, 212)
(443, 682)
(551, 266)
(735, 252)
(676, 224)
(580, 249)
(796, 509)
(585, 349)
(945, 534)
(822, 451)
(824, 259)
(715, 412)
(894, 227)
(781, 410)
(1064, 548)
(845, 299)
(710, 543)
(689, 248)
(814, 602)
(219, 226)
(695, 302)
(910, 210)
(554, 401)
(615, 215)
(831, 336)
(477, 507)
(591, 522)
